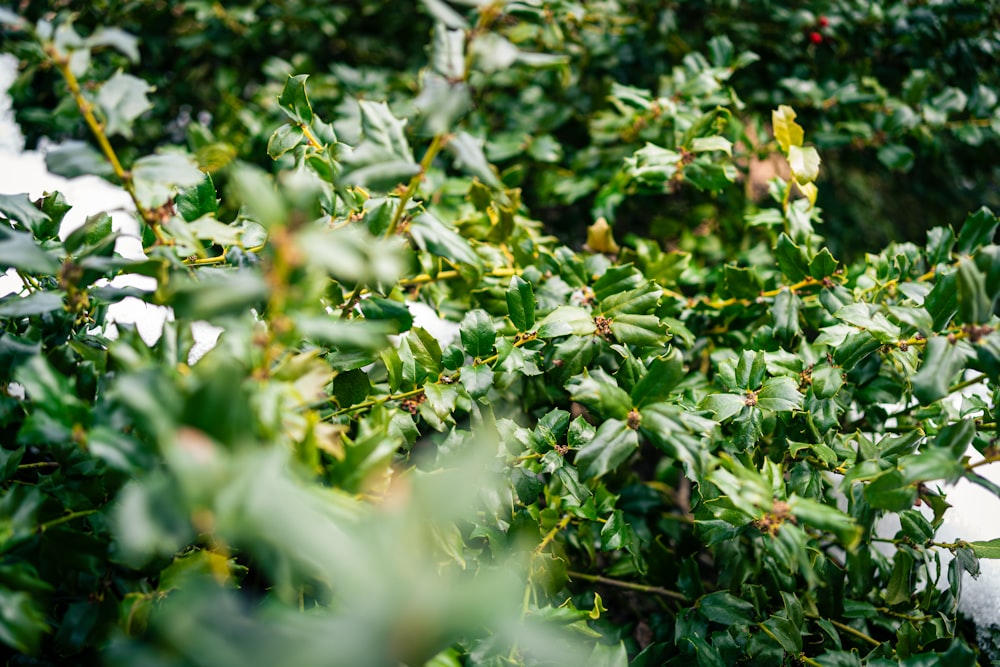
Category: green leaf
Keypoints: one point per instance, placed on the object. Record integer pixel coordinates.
(899, 590)
(726, 609)
(431, 234)
(22, 620)
(637, 301)
(37, 303)
(785, 313)
(393, 312)
(662, 376)
(383, 129)
(942, 301)
(977, 230)
(889, 491)
(285, 138)
(76, 158)
(18, 250)
(824, 517)
(469, 157)
(612, 445)
(157, 177)
(827, 381)
(293, 100)
(20, 209)
(122, 99)
(639, 330)
(375, 167)
(198, 200)
(602, 397)
(870, 318)
(351, 387)
(652, 165)
(787, 633)
(931, 464)
(616, 533)
(956, 437)
(566, 320)
(897, 157)
(942, 362)
(521, 304)
(987, 548)
(822, 265)
(478, 334)
(724, 406)
(974, 304)
(716, 143)
(742, 283)
(217, 297)
(477, 380)
(791, 259)
(779, 394)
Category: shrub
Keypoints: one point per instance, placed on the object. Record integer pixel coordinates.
(628, 454)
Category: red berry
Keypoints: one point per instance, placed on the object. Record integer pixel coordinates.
(823, 22)
(815, 38)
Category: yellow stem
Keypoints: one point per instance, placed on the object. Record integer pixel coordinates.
(411, 188)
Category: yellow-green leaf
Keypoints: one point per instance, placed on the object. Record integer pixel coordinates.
(787, 132)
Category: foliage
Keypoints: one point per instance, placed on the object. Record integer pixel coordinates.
(911, 84)
(626, 455)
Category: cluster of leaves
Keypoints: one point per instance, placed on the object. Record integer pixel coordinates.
(911, 84)
(626, 454)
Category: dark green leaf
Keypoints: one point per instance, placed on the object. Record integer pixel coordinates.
(430, 233)
(478, 334)
(20, 209)
(743, 283)
(786, 632)
(826, 380)
(661, 377)
(219, 297)
(392, 312)
(974, 304)
(639, 330)
(197, 201)
(36, 303)
(822, 265)
(604, 398)
(293, 100)
(977, 230)
(724, 406)
(285, 138)
(726, 609)
(942, 362)
(899, 590)
(897, 157)
(566, 320)
(780, 394)
(791, 259)
(785, 313)
(891, 492)
(612, 445)
(477, 380)
(521, 304)
(18, 250)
